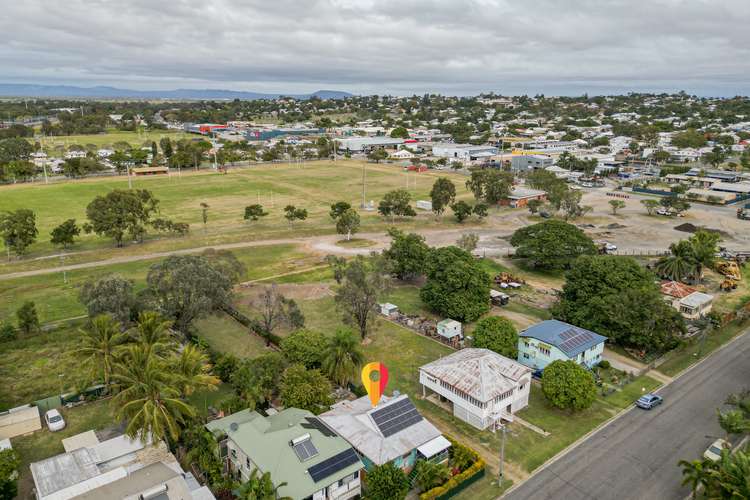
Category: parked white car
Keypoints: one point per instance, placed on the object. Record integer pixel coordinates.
(713, 452)
(55, 421)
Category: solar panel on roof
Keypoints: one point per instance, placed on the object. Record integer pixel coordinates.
(332, 465)
(396, 417)
(314, 423)
(305, 450)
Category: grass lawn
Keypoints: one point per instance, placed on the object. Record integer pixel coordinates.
(201, 400)
(528, 310)
(632, 391)
(222, 333)
(407, 298)
(44, 444)
(683, 357)
(57, 300)
(39, 366)
(136, 139)
(313, 186)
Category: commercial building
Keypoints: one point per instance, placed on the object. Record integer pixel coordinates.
(267, 134)
(304, 457)
(203, 128)
(548, 146)
(527, 163)
(483, 386)
(393, 431)
(365, 144)
(463, 152)
(552, 340)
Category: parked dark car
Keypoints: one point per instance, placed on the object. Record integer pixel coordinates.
(648, 401)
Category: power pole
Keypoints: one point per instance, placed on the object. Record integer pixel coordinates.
(502, 456)
(364, 164)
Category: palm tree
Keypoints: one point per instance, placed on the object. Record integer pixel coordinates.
(260, 487)
(149, 397)
(153, 332)
(101, 343)
(695, 474)
(192, 370)
(703, 245)
(342, 357)
(680, 264)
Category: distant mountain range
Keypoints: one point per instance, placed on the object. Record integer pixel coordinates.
(30, 90)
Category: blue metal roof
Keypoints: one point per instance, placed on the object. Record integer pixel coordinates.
(570, 339)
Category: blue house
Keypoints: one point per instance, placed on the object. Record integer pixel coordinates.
(548, 341)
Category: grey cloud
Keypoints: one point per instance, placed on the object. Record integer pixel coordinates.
(397, 46)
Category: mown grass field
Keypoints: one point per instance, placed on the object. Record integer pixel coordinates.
(55, 299)
(108, 139)
(313, 186)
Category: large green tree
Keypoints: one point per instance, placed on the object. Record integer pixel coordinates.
(551, 244)
(10, 464)
(497, 334)
(396, 203)
(616, 297)
(110, 294)
(187, 287)
(457, 286)
(65, 234)
(305, 389)
(490, 184)
(18, 230)
(364, 283)
(443, 194)
(348, 223)
(407, 254)
(568, 385)
(120, 212)
(304, 347)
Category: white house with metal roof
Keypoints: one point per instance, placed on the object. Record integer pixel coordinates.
(552, 340)
(393, 431)
(696, 305)
(483, 386)
(295, 447)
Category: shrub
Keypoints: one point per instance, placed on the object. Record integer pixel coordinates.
(475, 466)
(7, 332)
(566, 384)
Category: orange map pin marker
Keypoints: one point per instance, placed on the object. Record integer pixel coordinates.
(375, 378)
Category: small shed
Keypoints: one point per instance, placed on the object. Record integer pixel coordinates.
(424, 205)
(150, 171)
(388, 309)
(499, 298)
(19, 421)
(449, 328)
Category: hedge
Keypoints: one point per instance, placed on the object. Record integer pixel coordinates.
(444, 489)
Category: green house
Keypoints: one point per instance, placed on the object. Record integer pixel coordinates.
(295, 447)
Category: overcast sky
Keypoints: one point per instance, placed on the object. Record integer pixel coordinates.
(382, 46)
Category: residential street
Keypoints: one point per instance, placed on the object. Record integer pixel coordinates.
(635, 457)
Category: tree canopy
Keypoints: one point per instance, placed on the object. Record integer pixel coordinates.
(568, 385)
(121, 211)
(443, 193)
(497, 334)
(490, 184)
(18, 230)
(407, 254)
(551, 244)
(618, 298)
(457, 286)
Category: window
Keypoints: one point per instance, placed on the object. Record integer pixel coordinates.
(526, 355)
(234, 453)
(520, 387)
(544, 350)
(247, 462)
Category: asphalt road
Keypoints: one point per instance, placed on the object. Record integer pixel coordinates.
(635, 456)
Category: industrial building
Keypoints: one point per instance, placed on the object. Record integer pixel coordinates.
(527, 163)
(463, 152)
(365, 144)
(266, 134)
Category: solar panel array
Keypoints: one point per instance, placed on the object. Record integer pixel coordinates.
(305, 450)
(314, 423)
(573, 339)
(332, 465)
(396, 417)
